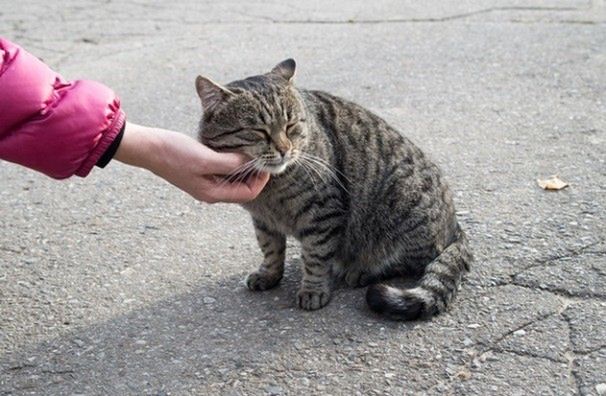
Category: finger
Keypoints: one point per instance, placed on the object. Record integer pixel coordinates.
(257, 182)
(234, 193)
(240, 192)
(225, 163)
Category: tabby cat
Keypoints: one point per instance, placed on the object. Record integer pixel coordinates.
(365, 203)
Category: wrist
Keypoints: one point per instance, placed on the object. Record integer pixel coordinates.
(110, 152)
(141, 147)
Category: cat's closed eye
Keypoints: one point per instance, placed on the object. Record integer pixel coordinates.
(292, 130)
(262, 134)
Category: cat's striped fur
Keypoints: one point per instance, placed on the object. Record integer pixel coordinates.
(365, 202)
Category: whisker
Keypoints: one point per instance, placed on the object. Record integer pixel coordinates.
(329, 170)
(236, 174)
(328, 164)
(242, 167)
(314, 168)
(309, 173)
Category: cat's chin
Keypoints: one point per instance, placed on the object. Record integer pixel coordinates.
(275, 169)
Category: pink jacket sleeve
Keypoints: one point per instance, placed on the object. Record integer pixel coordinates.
(60, 128)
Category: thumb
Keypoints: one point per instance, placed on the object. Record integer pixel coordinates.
(257, 182)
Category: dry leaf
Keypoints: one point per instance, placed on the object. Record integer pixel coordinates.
(553, 183)
(464, 375)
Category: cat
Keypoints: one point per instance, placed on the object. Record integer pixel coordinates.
(365, 203)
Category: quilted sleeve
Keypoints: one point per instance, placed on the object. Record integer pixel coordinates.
(60, 128)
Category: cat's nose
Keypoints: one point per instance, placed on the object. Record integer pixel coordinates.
(282, 149)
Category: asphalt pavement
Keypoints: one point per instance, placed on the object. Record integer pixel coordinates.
(119, 284)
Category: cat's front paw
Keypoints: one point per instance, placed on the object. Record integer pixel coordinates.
(313, 299)
(258, 280)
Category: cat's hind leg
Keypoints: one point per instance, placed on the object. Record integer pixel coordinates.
(433, 292)
(361, 276)
(273, 246)
(358, 277)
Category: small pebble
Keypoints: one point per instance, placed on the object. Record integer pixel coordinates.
(473, 325)
(519, 333)
(601, 389)
(209, 300)
(274, 390)
(467, 342)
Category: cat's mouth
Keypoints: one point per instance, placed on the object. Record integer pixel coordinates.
(277, 167)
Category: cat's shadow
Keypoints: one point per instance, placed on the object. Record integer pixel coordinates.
(204, 335)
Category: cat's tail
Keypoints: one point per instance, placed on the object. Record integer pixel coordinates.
(434, 292)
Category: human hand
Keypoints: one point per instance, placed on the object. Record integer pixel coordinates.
(189, 165)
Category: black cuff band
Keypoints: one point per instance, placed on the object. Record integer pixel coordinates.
(111, 150)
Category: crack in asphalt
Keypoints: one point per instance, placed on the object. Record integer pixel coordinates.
(352, 21)
(601, 272)
(589, 351)
(570, 354)
(573, 377)
(19, 367)
(57, 372)
(548, 260)
(10, 250)
(559, 291)
(528, 354)
(417, 20)
(491, 345)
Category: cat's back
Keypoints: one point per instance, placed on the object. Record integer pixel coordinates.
(364, 146)
(358, 127)
(337, 113)
(393, 186)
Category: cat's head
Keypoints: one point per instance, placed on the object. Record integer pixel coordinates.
(260, 116)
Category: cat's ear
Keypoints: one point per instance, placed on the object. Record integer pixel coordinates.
(210, 92)
(285, 69)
